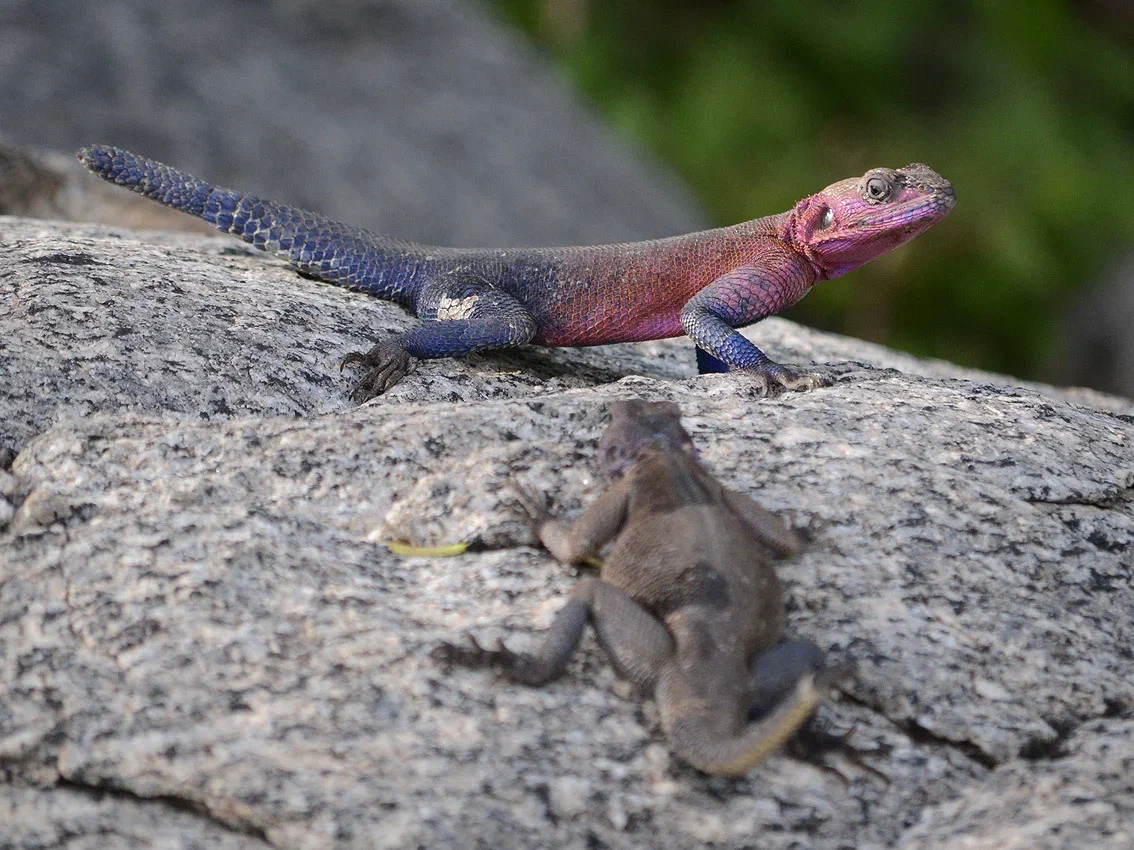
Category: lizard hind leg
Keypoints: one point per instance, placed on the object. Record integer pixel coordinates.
(701, 743)
(547, 663)
(637, 643)
(788, 683)
(460, 314)
(775, 674)
(776, 671)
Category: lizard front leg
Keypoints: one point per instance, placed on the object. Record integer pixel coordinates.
(766, 526)
(742, 297)
(460, 315)
(581, 542)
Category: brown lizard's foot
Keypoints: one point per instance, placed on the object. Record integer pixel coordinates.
(552, 535)
(772, 379)
(387, 363)
(532, 503)
(811, 744)
(470, 654)
(516, 666)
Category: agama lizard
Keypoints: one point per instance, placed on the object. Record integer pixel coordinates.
(687, 604)
(704, 284)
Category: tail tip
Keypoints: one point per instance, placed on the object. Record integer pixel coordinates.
(98, 158)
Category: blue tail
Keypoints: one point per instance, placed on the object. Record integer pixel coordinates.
(328, 250)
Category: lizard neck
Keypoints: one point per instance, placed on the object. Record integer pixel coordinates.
(789, 227)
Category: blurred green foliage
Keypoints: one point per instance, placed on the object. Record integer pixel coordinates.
(1027, 107)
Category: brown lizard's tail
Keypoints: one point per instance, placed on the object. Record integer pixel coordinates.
(702, 747)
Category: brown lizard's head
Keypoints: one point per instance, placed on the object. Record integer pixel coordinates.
(853, 221)
(638, 425)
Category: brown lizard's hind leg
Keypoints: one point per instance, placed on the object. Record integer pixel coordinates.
(700, 741)
(776, 671)
(547, 663)
(811, 744)
(789, 682)
(637, 643)
(775, 674)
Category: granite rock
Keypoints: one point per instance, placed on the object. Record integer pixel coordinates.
(204, 641)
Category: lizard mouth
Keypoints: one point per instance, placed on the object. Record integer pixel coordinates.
(907, 200)
(914, 214)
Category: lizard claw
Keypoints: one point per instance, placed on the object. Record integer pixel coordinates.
(532, 503)
(470, 654)
(800, 381)
(772, 379)
(473, 655)
(828, 676)
(811, 744)
(387, 364)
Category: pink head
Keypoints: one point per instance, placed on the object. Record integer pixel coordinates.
(853, 221)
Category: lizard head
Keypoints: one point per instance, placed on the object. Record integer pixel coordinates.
(638, 425)
(853, 221)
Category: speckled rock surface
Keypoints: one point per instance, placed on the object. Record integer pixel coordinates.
(204, 643)
(1081, 797)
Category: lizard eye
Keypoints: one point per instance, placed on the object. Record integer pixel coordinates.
(877, 188)
(825, 220)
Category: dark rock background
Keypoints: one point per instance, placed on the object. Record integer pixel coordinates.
(421, 118)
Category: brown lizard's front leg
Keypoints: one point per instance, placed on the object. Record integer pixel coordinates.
(764, 525)
(582, 542)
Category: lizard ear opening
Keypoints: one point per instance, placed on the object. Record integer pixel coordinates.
(825, 220)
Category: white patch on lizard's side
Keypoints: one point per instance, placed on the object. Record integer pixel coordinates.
(456, 308)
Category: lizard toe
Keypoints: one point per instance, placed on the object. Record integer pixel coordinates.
(800, 381)
(531, 502)
(352, 357)
(470, 654)
(388, 363)
(812, 744)
(761, 385)
(771, 379)
(446, 653)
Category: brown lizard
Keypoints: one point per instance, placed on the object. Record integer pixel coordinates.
(688, 606)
